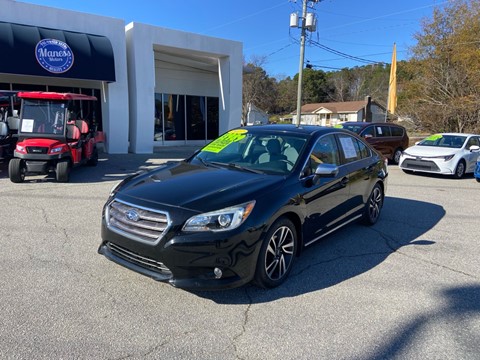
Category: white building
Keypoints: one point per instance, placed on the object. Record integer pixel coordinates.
(156, 86)
(331, 114)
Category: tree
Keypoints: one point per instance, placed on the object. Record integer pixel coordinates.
(258, 88)
(445, 90)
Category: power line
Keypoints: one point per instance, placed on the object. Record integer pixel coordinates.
(347, 56)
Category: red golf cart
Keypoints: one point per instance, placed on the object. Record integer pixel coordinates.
(51, 137)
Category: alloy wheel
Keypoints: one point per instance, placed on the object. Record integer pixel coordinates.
(375, 204)
(279, 253)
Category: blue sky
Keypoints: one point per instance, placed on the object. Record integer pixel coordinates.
(361, 29)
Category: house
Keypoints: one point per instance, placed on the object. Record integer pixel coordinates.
(255, 116)
(331, 114)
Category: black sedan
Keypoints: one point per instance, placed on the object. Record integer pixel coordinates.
(242, 208)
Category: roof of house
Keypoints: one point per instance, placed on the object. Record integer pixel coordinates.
(335, 107)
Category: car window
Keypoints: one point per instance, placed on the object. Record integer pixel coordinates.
(352, 148)
(325, 151)
(383, 130)
(362, 149)
(443, 140)
(472, 141)
(370, 131)
(353, 127)
(396, 131)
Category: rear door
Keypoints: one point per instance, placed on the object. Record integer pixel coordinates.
(360, 168)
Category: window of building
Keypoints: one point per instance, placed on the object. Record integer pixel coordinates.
(185, 117)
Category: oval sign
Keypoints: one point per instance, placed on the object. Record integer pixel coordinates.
(54, 55)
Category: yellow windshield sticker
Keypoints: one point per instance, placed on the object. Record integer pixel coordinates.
(223, 141)
(434, 137)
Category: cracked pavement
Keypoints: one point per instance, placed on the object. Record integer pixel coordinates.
(408, 287)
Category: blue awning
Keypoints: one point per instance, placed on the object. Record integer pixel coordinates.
(39, 51)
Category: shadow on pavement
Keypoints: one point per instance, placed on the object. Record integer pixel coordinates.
(112, 167)
(461, 305)
(347, 253)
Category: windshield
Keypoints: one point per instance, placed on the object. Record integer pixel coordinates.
(43, 117)
(253, 151)
(352, 127)
(440, 140)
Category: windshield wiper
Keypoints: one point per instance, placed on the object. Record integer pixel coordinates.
(209, 163)
(238, 167)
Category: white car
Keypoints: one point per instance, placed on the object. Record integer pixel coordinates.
(448, 154)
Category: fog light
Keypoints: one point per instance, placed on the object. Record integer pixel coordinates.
(218, 273)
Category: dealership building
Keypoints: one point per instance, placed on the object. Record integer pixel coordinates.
(155, 86)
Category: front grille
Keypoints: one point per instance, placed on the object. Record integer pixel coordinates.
(137, 223)
(37, 150)
(424, 165)
(139, 260)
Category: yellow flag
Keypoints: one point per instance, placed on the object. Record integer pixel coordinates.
(392, 86)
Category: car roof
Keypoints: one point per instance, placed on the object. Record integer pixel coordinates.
(292, 129)
(46, 95)
(364, 123)
(457, 134)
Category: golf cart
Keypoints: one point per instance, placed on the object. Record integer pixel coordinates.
(51, 137)
(8, 123)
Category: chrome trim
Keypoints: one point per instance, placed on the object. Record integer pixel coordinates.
(138, 259)
(146, 230)
(329, 232)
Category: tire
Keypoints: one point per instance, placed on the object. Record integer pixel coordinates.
(93, 161)
(276, 254)
(16, 170)
(478, 179)
(62, 171)
(459, 170)
(396, 156)
(373, 206)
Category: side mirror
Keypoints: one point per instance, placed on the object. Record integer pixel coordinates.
(3, 128)
(368, 136)
(325, 171)
(474, 148)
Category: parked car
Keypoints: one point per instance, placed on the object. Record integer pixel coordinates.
(476, 173)
(447, 154)
(389, 139)
(243, 207)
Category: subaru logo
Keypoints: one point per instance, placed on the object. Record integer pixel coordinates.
(132, 215)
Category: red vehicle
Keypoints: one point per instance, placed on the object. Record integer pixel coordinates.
(51, 137)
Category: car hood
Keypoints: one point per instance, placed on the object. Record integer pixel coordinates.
(430, 151)
(196, 187)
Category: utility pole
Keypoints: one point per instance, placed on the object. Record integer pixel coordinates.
(302, 59)
(306, 22)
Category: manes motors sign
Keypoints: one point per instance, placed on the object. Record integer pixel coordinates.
(54, 55)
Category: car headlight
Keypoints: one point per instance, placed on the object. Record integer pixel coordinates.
(221, 220)
(20, 148)
(56, 150)
(448, 158)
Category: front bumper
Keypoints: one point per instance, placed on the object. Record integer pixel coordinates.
(188, 260)
(427, 165)
(41, 163)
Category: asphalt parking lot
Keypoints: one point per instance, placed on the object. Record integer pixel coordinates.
(407, 288)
